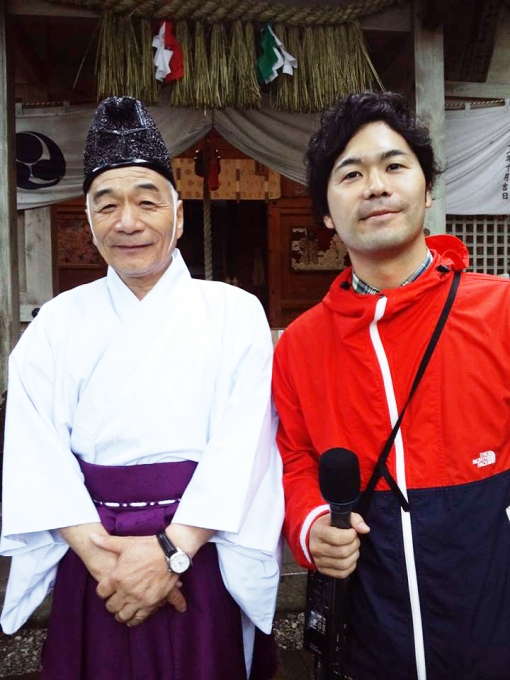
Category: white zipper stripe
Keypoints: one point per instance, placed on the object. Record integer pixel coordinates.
(412, 579)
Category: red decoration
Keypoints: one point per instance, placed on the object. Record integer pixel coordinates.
(177, 60)
(208, 161)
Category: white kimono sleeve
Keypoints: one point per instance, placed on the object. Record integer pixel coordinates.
(237, 486)
(43, 486)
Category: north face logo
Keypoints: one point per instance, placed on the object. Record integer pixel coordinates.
(485, 458)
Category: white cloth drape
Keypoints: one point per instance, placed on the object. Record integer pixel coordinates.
(181, 128)
(478, 161)
(273, 138)
(477, 144)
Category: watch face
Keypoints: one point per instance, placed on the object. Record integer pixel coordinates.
(179, 562)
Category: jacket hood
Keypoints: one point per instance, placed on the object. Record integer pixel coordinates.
(449, 254)
(452, 250)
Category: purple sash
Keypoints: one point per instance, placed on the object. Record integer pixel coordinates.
(205, 643)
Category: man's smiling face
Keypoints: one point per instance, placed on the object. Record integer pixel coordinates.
(377, 194)
(132, 213)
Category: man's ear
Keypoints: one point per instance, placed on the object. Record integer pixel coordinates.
(89, 218)
(180, 221)
(428, 198)
(328, 222)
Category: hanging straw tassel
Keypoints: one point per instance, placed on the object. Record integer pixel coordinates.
(343, 59)
(314, 56)
(148, 83)
(220, 83)
(299, 99)
(337, 63)
(244, 90)
(182, 89)
(202, 77)
(251, 88)
(127, 39)
(329, 66)
(366, 75)
(109, 67)
(122, 66)
(325, 66)
(282, 86)
(139, 67)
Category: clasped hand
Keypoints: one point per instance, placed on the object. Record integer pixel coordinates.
(139, 582)
(336, 551)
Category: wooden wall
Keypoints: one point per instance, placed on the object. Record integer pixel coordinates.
(76, 259)
(292, 291)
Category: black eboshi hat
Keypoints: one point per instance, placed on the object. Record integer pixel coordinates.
(123, 133)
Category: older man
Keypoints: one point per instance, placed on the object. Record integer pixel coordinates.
(430, 593)
(139, 433)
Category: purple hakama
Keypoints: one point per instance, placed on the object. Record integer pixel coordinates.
(204, 643)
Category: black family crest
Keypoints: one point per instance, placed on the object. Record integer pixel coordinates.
(39, 161)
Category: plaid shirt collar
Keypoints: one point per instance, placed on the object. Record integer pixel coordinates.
(363, 288)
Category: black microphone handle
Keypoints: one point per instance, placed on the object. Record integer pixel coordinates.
(341, 514)
(340, 519)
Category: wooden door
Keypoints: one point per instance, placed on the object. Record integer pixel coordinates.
(76, 259)
(304, 258)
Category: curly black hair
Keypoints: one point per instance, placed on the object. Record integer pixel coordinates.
(341, 122)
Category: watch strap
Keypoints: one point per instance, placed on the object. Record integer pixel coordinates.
(166, 544)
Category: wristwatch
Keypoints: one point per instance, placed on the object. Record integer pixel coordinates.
(178, 561)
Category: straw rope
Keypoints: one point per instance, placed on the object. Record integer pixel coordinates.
(220, 63)
(220, 11)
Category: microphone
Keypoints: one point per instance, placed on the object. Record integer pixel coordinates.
(339, 482)
(326, 597)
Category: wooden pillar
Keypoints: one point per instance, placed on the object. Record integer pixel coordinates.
(430, 104)
(9, 285)
(35, 266)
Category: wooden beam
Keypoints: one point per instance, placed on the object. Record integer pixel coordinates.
(38, 257)
(435, 13)
(9, 285)
(39, 8)
(395, 19)
(387, 56)
(38, 67)
(429, 78)
(470, 36)
(465, 90)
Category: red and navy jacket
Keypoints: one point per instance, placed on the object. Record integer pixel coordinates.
(431, 592)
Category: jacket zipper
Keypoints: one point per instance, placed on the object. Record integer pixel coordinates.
(412, 579)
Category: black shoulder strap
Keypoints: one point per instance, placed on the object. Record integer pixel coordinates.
(381, 468)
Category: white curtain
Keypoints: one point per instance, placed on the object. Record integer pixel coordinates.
(273, 138)
(477, 150)
(478, 161)
(180, 128)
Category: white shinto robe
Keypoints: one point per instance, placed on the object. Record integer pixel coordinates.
(183, 374)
